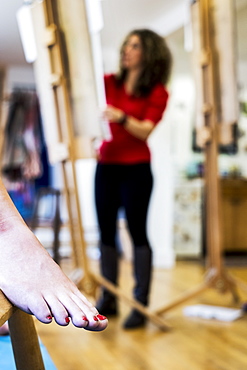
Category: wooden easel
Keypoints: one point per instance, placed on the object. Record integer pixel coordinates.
(82, 276)
(216, 275)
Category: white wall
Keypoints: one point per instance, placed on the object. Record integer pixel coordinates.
(19, 76)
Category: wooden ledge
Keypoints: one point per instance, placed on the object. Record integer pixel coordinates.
(6, 309)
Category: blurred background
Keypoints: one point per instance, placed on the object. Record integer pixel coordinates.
(177, 162)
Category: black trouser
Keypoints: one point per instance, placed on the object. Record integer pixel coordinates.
(127, 186)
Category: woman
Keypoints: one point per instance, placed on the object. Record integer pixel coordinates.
(32, 281)
(136, 99)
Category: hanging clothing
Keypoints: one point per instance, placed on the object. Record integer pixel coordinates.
(22, 144)
(25, 165)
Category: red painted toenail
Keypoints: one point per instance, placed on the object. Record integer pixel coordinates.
(49, 317)
(101, 317)
(67, 320)
(84, 318)
(95, 318)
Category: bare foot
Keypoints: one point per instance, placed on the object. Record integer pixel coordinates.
(32, 281)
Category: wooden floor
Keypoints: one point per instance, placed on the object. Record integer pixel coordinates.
(191, 344)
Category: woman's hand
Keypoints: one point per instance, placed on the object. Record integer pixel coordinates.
(139, 129)
(113, 114)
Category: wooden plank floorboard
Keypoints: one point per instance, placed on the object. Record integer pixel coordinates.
(192, 344)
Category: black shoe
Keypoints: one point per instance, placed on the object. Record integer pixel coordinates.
(135, 320)
(107, 307)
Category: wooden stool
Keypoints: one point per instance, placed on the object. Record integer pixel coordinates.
(23, 336)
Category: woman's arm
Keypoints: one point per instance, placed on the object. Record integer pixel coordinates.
(139, 129)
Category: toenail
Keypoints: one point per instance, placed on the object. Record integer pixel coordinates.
(84, 318)
(67, 320)
(101, 317)
(95, 318)
(49, 317)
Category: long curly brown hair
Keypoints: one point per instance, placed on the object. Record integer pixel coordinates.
(157, 61)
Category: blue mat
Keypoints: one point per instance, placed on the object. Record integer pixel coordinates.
(7, 361)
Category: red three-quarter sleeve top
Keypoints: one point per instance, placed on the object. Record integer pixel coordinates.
(124, 148)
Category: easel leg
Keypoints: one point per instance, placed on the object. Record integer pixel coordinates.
(133, 303)
(240, 283)
(184, 297)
